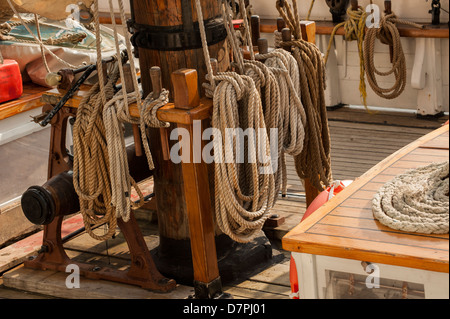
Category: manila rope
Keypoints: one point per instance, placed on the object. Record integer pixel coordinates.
(101, 174)
(314, 162)
(245, 192)
(354, 27)
(388, 34)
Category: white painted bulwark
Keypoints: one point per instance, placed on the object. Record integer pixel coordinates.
(343, 71)
(318, 280)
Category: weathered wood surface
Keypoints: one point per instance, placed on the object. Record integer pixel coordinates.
(356, 147)
(344, 227)
(30, 99)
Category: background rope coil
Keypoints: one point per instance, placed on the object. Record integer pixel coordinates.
(388, 34)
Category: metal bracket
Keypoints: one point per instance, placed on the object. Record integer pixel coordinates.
(337, 9)
(211, 290)
(176, 38)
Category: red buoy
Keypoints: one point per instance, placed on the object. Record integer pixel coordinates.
(323, 197)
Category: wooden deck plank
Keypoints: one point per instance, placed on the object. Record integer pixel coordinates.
(327, 232)
(52, 283)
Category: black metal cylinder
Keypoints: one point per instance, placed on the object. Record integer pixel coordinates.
(57, 197)
(41, 204)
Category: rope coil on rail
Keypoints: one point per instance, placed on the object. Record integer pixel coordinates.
(388, 34)
(101, 173)
(416, 201)
(355, 28)
(314, 163)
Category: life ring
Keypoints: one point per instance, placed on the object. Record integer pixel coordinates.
(325, 196)
(321, 199)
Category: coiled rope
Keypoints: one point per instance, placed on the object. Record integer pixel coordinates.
(416, 201)
(101, 174)
(245, 191)
(387, 34)
(292, 116)
(314, 163)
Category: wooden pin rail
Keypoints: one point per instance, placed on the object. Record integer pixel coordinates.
(326, 28)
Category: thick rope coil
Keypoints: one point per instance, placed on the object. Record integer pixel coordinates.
(416, 201)
(101, 173)
(387, 34)
(116, 112)
(244, 191)
(314, 163)
(91, 176)
(354, 27)
(292, 116)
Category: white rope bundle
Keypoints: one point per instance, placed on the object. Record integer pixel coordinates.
(116, 112)
(416, 201)
(242, 205)
(291, 128)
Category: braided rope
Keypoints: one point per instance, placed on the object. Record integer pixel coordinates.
(416, 201)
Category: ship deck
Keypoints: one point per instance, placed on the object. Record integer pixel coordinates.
(360, 140)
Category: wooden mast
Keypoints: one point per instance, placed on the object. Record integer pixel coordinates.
(171, 202)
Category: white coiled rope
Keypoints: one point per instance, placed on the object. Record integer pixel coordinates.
(416, 201)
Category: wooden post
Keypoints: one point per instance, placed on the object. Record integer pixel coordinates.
(168, 176)
(286, 35)
(207, 282)
(255, 26)
(308, 31)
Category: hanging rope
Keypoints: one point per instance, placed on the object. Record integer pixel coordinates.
(91, 176)
(292, 117)
(387, 34)
(314, 163)
(354, 27)
(416, 201)
(245, 191)
(101, 173)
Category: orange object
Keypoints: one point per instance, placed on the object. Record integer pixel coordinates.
(323, 197)
(11, 86)
(293, 278)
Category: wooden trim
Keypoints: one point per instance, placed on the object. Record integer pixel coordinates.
(30, 99)
(326, 28)
(381, 245)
